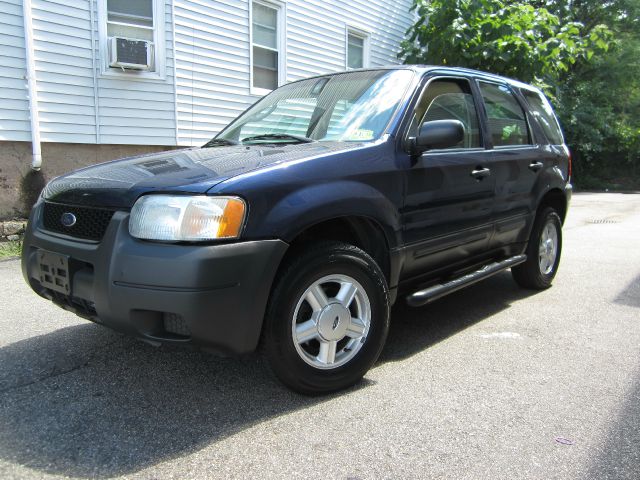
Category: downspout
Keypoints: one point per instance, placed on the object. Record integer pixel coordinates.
(36, 161)
(175, 77)
(96, 107)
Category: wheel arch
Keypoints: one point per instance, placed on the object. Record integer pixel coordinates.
(556, 199)
(361, 231)
(350, 211)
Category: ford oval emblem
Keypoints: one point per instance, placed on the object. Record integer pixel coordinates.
(68, 219)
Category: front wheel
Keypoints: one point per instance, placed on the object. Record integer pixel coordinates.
(327, 319)
(543, 252)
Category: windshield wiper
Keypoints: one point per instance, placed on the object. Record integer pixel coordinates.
(279, 136)
(219, 142)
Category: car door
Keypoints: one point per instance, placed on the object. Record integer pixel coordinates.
(516, 162)
(449, 192)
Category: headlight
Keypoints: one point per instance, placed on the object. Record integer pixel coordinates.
(186, 218)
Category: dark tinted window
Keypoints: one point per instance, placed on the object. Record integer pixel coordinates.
(507, 121)
(449, 100)
(542, 111)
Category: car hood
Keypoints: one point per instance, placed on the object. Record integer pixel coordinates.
(119, 183)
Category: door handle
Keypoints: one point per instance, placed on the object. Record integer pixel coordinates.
(536, 166)
(480, 173)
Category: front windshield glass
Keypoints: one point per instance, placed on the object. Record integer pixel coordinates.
(354, 106)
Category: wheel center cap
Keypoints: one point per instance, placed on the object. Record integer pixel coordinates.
(333, 322)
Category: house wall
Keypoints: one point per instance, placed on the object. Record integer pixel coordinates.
(138, 112)
(213, 52)
(14, 105)
(76, 102)
(79, 104)
(20, 186)
(212, 66)
(85, 114)
(316, 33)
(64, 76)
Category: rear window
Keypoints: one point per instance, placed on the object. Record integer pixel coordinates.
(542, 111)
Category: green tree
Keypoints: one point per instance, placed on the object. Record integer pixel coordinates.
(585, 54)
(511, 38)
(599, 100)
(599, 108)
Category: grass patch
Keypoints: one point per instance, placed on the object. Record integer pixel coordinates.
(10, 249)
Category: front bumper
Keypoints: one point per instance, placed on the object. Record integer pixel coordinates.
(213, 296)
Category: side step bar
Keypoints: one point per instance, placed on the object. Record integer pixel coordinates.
(422, 297)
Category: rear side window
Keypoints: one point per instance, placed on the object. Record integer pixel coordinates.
(507, 121)
(542, 111)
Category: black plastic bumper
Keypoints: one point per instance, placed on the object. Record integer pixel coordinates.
(213, 296)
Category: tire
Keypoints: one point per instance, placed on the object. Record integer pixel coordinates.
(337, 345)
(543, 252)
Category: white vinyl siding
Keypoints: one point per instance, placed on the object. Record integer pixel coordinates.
(213, 51)
(212, 66)
(134, 109)
(14, 103)
(80, 103)
(316, 33)
(64, 76)
(76, 104)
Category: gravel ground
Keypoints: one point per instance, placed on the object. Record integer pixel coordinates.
(489, 382)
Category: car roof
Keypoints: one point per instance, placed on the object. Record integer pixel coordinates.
(423, 69)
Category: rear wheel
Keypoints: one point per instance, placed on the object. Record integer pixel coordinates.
(327, 318)
(543, 252)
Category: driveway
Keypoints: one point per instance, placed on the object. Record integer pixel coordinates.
(489, 382)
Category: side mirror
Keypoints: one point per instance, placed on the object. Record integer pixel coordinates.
(437, 134)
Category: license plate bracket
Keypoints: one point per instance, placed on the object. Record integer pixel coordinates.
(54, 271)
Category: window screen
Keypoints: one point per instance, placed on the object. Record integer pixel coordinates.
(542, 111)
(507, 121)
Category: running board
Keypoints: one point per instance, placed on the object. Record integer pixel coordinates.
(422, 297)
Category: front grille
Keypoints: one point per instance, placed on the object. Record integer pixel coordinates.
(90, 223)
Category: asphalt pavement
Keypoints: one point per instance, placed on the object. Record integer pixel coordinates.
(490, 382)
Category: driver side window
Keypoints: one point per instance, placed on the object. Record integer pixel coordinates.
(449, 99)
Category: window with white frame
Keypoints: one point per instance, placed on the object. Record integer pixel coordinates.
(132, 37)
(130, 19)
(266, 46)
(356, 49)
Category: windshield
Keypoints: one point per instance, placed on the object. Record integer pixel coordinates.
(353, 106)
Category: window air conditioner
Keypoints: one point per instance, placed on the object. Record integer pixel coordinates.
(131, 54)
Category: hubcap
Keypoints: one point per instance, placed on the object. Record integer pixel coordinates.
(331, 321)
(548, 250)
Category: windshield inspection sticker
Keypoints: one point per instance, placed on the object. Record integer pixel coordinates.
(360, 134)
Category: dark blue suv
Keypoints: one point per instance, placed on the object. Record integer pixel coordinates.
(303, 221)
